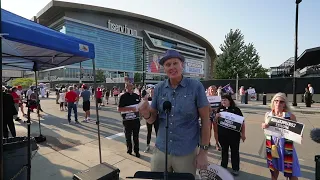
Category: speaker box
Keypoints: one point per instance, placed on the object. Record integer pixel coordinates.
(101, 171)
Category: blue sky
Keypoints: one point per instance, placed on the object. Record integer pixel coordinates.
(268, 24)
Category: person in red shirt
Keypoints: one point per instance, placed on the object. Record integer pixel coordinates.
(99, 96)
(16, 99)
(72, 99)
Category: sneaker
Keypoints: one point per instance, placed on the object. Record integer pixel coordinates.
(69, 122)
(235, 172)
(85, 120)
(77, 122)
(147, 149)
(138, 154)
(129, 152)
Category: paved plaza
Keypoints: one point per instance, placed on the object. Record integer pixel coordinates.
(72, 148)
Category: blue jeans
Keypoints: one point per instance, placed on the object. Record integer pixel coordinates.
(73, 106)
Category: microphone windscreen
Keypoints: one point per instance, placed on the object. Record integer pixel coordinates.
(315, 135)
(167, 106)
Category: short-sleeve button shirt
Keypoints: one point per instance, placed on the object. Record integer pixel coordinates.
(184, 128)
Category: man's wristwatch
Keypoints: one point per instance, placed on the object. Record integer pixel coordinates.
(204, 147)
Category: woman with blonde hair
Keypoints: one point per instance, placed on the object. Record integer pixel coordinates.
(212, 91)
(280, 152)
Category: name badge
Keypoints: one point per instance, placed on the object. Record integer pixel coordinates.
(130, 116)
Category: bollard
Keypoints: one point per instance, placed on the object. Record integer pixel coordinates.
(317, 160)
(264, 99)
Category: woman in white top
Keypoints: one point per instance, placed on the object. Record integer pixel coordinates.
(62, 99)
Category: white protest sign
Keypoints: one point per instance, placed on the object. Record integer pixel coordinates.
(231, 121)
(215, 172)
(251, 91)
(284, 128)
(215, 101)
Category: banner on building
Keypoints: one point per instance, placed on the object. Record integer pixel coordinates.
(230, 121)
(194, 67)
(284, 128)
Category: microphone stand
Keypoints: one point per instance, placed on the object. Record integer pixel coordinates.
(166, 148)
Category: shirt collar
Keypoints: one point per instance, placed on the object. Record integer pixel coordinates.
(182, 83)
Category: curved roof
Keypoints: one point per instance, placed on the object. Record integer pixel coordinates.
(55, 10)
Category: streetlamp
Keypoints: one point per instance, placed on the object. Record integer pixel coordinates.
(295, 55)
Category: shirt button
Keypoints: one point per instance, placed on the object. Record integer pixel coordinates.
(173, 106)
(171, 123)
(170, 140)
(170, 132)
(172, 98)
(172, 115)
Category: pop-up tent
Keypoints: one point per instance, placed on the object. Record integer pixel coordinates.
(26, 45)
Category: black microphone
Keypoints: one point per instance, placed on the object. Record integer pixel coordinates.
(167, 106)
(144, 93)
(315, 135)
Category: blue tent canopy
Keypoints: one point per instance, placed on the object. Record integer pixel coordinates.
(24, 42)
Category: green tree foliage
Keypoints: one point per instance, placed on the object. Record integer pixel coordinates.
(237, 58)
(100, 76)
(24, 82)
(137, 77)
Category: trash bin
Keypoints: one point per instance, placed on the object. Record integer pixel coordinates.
(15, 156)
(264, 99)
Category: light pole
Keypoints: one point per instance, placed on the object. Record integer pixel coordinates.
(295, 55)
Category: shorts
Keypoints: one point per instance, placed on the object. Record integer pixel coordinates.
(99, 100)
(86, 106)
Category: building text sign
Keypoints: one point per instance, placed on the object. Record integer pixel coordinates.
(122, 29)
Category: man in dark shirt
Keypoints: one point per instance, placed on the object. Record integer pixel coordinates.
(131, 121)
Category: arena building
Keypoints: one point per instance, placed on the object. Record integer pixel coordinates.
(126, 44)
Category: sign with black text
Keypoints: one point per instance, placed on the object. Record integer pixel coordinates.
(231, 121)
(215, 172)
(126, 116)
(284, 128)
(215, 101)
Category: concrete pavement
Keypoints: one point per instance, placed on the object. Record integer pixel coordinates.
(301, 107)
(73, 148)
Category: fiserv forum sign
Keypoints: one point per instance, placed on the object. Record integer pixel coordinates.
(121, 29)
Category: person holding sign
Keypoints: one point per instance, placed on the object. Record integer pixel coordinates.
(189, 101)
(280, 152)
(229, 136)
(131, 120)
(212, 91)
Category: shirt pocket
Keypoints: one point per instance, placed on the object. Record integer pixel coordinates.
(186, 105)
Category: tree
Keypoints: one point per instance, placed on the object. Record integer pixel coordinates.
(237, 58)
(251, 58)
(137, 77)
(100, 76)
(230, 62)
(24, 82)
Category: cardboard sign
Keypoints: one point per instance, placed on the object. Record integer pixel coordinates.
(230, 121)
(215, 172)
(127, 116)
(215, 101)
(284, 128)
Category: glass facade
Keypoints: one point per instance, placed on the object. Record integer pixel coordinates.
(113, 50)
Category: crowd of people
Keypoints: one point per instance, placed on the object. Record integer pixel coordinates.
(191, 121)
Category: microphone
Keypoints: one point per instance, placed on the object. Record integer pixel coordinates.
(144, 93)
(315, 135)
(167, 106)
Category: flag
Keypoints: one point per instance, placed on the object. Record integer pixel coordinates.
(228, 89)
